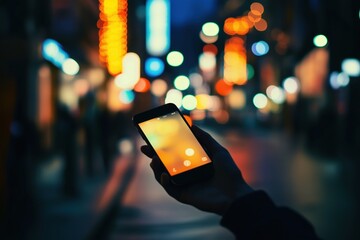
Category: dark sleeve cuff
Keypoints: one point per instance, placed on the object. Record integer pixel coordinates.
(255, 216)
(249, 213)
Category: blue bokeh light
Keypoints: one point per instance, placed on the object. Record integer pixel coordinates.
(53, 52)
(154, 67)
(260, 48)
(127, 96)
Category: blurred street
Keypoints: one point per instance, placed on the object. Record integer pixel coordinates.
(277, 82)
(270, 160)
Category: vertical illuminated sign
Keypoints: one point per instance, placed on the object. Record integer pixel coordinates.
(113, 34)
(157, 27)
(235, 71)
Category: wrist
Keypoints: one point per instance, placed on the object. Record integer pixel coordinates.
(241, 192)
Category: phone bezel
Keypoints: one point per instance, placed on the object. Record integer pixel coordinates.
(192, 175)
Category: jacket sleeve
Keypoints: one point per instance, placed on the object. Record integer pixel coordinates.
(255, 216)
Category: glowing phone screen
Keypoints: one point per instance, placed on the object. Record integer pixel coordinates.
(174, 143)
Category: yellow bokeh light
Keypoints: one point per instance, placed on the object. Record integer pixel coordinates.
(237, 99)
(112, 34)
(203, 101)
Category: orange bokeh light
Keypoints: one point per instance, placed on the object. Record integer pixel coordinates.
(223, 88)
(112, 25)
(188, 120)
(261, 25)
(142, 86)
(240, 26)
(235, 61)
(253, 17)
(228, 26)
(257, 8)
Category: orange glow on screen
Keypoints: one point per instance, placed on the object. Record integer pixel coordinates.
(174, 143)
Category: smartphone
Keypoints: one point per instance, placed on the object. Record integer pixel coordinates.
(165, 129)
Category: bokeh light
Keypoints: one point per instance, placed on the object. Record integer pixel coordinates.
(126, 96)
(113, 34)
(250, 71)
(143, 85)
(175, 58)
(240, 26)
(291, 85)
(211, 48)
(257, 8)
(70, 67)
(223, 88)
(320, 40)
(174, 96)
(125, 146)
(154, 67)
(260, 48)
(81, 87)
(338, 80)
(182, 82)
(237, 99)
(207, 61)
(261, 25)
(235, 61)
(157, 27)
(189, 102)
(159, 87)
(260, 101)
(196, 80)
(276, 94)
(203, 101)
(121, 81)
(208, 39)
(351, 66)
(131, 65)
(210, 29)
(53, 52)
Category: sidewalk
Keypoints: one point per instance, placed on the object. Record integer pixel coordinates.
(83, 216)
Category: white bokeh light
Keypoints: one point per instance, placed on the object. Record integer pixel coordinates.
(291, 85)
(189, 102)
(210, 29)
(320, 40)
(175, 58)
(260, 101)
(182, 82)
(351, 67)
(70, 67)
(174, 96)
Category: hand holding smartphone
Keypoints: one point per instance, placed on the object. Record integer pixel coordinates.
(165, 130)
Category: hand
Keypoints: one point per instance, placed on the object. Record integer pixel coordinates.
(212, 195)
